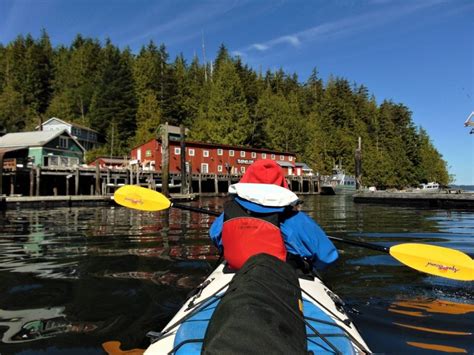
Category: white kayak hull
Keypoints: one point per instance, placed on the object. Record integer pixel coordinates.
(314, 293)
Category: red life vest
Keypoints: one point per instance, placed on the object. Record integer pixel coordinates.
(246, 233)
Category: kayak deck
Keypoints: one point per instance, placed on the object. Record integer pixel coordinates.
(328, 328)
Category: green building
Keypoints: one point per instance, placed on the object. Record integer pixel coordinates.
(41, 148)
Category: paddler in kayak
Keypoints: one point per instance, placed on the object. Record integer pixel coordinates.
(262, 217)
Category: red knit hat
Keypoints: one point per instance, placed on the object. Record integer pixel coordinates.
(265, 171)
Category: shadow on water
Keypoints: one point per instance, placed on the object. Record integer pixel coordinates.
(96, 280)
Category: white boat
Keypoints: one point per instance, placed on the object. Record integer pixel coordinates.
(339, 182)
(429, 187)
(325, 320)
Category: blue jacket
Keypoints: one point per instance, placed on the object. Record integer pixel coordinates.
(301, 234)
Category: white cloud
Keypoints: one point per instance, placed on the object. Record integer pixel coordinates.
(293, 40)
(259, 47)
(344, 27)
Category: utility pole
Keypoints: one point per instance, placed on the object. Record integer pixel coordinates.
(358, 165)
(204, 58)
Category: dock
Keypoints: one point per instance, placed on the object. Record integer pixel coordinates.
(96, 181)
(443, 199)
(13, 202)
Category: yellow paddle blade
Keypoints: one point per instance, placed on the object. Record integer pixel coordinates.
(140, 198)
(435, 260)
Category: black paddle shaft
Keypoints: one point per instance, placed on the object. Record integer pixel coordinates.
(195, 209)
(336, 239)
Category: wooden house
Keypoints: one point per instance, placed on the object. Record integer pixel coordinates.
(41, 148)
(86, 136)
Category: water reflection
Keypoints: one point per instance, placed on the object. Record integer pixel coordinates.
(97, 279)
(452, 326)
(27, 325)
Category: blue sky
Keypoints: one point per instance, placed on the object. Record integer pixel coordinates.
(419, 53)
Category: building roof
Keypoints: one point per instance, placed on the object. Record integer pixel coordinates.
(33, 139)
(284, 164)
(303, 166)
(74, 124)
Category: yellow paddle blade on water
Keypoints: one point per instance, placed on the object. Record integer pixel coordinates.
(140, 198)
(435, 260)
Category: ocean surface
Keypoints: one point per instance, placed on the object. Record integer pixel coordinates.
(96, 280)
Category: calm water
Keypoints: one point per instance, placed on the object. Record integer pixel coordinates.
(95, 280)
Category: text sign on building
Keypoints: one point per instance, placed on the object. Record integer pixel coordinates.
(245, 161)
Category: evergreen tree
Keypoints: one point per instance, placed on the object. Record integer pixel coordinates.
(3, 59)
(227, 119)
(284, 128)
(38, 69)
(12, 111)
(432, 166)
(147, 71)
(148, 118)
(197, 93)
(114, 101)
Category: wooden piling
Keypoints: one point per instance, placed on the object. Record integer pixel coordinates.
(311, 185)
(200, 184)
(184, 180)
(97, 178)
(67, 184)
(76, 182)
(38, 180)
(1, 174)
(358, 165)
(165, 162)
(12, 183)
(32, 181)
(216, 184)
(190, 178)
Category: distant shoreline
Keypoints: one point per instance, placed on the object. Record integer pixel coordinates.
(463, 187)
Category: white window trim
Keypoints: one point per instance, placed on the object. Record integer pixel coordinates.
(290, 158)
(219, 168)
(177, 150)
(63, 142)
(205, 153)
(282, 157)
(242, 153)
(220, 151)
(191, 152)
(231, 153)
(207, 168)
(264, 155)
(273, 156)
(242, 169)
(254, 155)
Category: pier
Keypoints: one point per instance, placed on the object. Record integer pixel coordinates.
(444, 199)
(62, 186)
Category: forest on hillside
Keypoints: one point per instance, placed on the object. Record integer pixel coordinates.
(125, 96)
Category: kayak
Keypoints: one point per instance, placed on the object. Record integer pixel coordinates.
(328, 327)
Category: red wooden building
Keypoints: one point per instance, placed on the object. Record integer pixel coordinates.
(208, 158)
